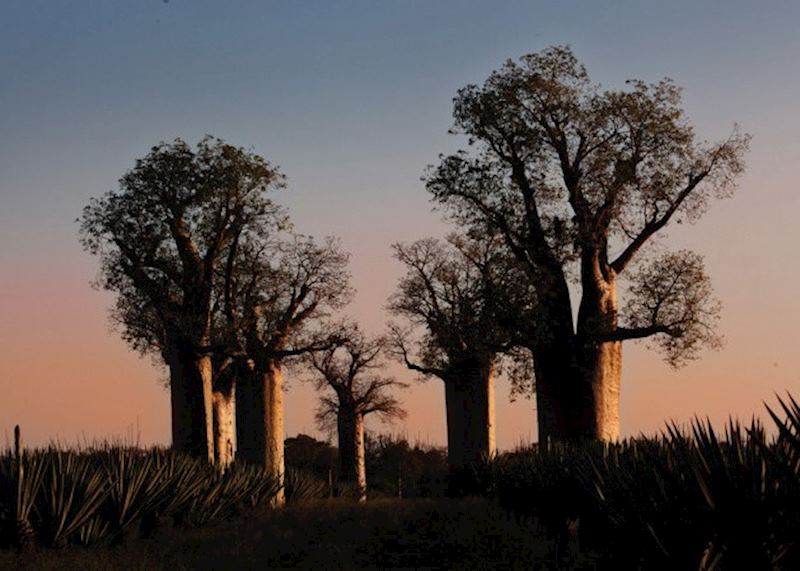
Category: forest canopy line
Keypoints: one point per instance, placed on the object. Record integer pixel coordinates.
(561, 185)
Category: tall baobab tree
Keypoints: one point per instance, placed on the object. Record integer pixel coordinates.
(464, 295)
(161, 238)
(274, 300)
(577, 181)
(348, 370)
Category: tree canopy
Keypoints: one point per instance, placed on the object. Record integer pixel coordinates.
(577, 180)
(162, 235)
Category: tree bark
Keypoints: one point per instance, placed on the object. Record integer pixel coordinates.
(601, 362)
(350, 427)
(563, 398)
(259, 419)
(224, 400)
(191, 402)
(605, 375)
(563, 401)
(250, 407)
(471, 426)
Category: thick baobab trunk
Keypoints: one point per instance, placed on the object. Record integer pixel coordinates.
(601, 362)
(191, 402)
(224, 402)
(605, 373)
(259, 419)
(350, 425)
(470, 404)
(563, 399)
(250, 435)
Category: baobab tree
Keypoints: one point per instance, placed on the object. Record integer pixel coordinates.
(161, 238)
(140, 326)
(577, 181)
(464, 295)
(348, 370)
(275, 298)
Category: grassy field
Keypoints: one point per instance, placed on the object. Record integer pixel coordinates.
(333, 534)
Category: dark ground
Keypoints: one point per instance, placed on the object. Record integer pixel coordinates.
(440, 533)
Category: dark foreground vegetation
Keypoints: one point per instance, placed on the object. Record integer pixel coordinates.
(687, 500)
(330, 534)
(690, 499)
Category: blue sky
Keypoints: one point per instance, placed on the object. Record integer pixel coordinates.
(353, 100)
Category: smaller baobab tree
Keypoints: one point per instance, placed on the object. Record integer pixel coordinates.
(273, 302)
(349, 373)
(465, 295)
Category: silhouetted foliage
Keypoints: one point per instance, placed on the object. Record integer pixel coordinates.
(103, 495)
(470, 301)
(685, 500)
(399, 469)
(304, 452)
(576, 181)
(162, 239)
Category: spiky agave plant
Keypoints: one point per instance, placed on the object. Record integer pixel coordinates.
(73, 490)
(741, 488)
(784, 454)
(223, 494)
(20, 481)
(303, 486)
(137, 483)
(184, 479)
(261, 486)
(648, 511)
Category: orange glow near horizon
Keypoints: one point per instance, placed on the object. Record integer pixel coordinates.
(73, 380)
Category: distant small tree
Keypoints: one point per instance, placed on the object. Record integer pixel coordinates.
(465, 296)
(577, 181)
(162, 238)
(348, 372)
(304, 452)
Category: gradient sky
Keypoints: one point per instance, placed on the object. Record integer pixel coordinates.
(353, 100)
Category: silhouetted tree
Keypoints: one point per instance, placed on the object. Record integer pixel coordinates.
(161, 238)
(141, 327)
(348, 370)
(577, 181)
(275, 297)
(466, 295)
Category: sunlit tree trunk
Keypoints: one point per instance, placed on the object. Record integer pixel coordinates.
(259, 418)
(601, 362)
(606, 377)
(350, 428)
(470, 405)
(273, 424)
(224, 402)
(191, 402)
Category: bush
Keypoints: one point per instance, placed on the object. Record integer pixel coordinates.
(86, 497)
